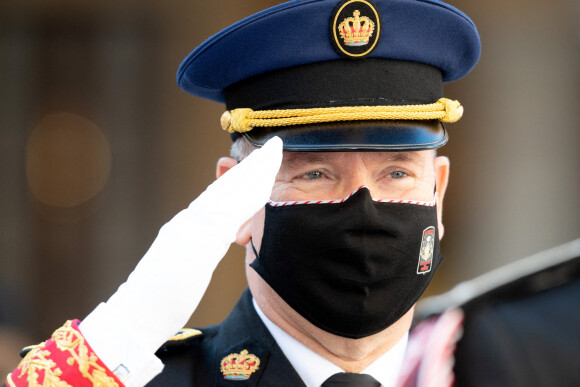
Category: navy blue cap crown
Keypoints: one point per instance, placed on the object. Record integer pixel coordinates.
(263, 48)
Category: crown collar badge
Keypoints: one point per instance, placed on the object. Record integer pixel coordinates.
(239, 366)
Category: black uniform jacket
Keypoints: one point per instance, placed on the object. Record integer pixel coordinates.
(196, 360)
(522, 327)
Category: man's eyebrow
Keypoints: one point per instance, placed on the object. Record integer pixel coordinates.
(298, 159)
(402, 156)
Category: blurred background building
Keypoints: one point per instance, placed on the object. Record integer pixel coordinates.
(99, 148)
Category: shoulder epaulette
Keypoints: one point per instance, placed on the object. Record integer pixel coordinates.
(185, 334)
(541, 271)
(182, 338)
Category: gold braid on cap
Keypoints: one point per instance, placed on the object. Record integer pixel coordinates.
(245, 119)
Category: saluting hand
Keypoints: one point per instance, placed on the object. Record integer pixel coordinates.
(166, 286)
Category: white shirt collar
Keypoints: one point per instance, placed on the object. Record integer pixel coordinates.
(314, 369)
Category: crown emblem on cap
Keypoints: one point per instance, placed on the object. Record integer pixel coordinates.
(239, 366)
(356, 31)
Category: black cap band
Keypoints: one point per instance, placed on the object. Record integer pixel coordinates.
(364, 82)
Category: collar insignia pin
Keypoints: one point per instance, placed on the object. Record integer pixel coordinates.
(239, 366)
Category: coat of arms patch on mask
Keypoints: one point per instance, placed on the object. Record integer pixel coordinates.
(426, 252)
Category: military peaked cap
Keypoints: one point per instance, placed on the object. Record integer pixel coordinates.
(338, 75)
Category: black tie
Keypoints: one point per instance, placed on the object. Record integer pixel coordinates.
(351, 380)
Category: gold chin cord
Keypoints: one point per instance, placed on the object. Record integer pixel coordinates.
(245, 119)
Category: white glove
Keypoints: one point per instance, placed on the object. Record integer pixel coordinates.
(166, 286)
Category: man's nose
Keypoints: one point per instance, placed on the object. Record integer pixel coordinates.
(354, 181)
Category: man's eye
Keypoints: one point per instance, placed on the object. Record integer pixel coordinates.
(313, 175)
(398, 174)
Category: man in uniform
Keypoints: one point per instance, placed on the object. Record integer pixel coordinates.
(341, 229)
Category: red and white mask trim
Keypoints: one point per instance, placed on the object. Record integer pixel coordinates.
(338, 201)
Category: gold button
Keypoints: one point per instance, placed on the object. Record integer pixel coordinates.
(226, 120)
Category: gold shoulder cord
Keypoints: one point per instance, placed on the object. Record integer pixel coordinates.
(245, 119)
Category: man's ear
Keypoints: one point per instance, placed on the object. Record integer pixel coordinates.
(243, 235)
(441, 164)
(224, 164)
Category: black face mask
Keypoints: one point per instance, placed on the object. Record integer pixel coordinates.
(352, 267)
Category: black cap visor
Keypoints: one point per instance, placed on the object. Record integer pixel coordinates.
(355, 136)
